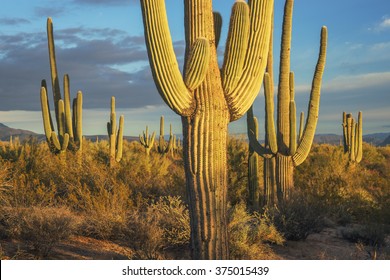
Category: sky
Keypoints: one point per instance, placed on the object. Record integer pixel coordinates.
(100, 44)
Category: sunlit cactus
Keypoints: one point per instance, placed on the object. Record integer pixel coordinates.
(147, 140)
(115, 135)
(69, 125)
(282, 149)
(163, 147)
(208, 97)
(353, 137)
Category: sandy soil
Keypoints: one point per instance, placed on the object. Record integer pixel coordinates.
(326, 245)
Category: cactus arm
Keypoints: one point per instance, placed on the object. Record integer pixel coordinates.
(301, 125)
(65, 142)
(241, 98)
(345, 132)
(293, 116)
(359, 138)
(79, 118)
(217, 27)
(119, 140)
(269, 111)
(61, 119)
(55, 141)
(236, 46)
(252, 126)
(68, 115)
(53, 66)
(312, 118)
(162, 59)
(197, 64)
(47, 126)
(283, 107)
(352, 147)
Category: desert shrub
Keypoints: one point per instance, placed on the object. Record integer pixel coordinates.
(250, 234)
(160, 226)
(42, 228)
(369, 234)
(296, 218)
(237, 155)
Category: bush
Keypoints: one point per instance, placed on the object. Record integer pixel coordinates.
(250, 234)
(296, 218)
(163, 225)
(43, 228)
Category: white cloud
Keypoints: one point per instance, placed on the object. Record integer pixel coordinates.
(385, 23)
(357, 81)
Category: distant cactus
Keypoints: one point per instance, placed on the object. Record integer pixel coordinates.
(115, 136)
(69, 125)
(353, 137)
(282, 151)
(146, 140)
(164, 147)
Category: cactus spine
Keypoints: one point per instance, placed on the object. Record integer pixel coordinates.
(353, 137)
(115, 136)
(69, 126)
(146, 140)
(207, 99)
(282, 144)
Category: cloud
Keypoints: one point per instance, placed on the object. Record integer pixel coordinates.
(13, 21)
(385, 23)
(104, 2)
(100, 62)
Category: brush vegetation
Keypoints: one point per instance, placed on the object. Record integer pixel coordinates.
(141, 203)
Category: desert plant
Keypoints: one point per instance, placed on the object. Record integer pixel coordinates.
(162, 146)
(282, 151)
(43, 228)
(69, 126)
(146, 140)
(208, 99)
(115, 136)
(353, 137)
(250, 234)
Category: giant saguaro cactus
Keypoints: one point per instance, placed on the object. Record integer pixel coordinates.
(282, 149)
(115, 136)
(69, 125)
(353, 137)
(207, 99)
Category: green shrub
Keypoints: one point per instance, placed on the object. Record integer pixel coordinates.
(250, 234)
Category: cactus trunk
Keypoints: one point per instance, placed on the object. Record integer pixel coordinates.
(205, 140)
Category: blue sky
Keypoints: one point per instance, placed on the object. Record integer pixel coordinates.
(100, 45)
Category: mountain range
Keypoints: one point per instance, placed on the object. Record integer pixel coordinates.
(376, 139)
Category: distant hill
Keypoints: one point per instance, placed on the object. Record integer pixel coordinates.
(376, 139)
(6, 132)
(385, 142)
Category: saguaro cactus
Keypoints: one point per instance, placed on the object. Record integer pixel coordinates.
(353, 137)
(69, 125)
(164, 147)
(115, 136)
(146, 140)
(207, 99)
(282, 150)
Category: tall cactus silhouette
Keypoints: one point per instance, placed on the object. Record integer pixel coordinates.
(115, 135)
(282, 150)
(207, 99)
(353, 137)
(69, 125)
